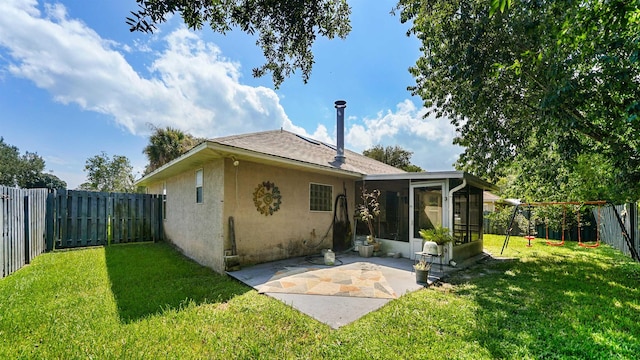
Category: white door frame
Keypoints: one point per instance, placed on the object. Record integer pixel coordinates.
(416, 243)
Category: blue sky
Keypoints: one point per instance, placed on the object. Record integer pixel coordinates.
(75, 82)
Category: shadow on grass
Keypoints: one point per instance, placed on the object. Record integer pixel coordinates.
(569, 303)
(151, 278)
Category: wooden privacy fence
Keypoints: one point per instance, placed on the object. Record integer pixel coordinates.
(22, 227)
(587, 231)
(610, 231)
(33, 221)
(85, 218)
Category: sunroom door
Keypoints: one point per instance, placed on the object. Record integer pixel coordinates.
(427, 211)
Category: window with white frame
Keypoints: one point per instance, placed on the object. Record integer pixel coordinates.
(164, 200)
(199, 191)
(320, 197)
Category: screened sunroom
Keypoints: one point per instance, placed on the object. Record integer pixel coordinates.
(413, 201)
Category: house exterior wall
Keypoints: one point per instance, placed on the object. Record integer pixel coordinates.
(201, 230)
(196, 228)
(293, 230)
(489, 206)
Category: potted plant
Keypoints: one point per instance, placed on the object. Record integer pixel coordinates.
(367, 212)
(439, 236)
(422, 268)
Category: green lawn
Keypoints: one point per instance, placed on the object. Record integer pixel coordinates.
(146, 301)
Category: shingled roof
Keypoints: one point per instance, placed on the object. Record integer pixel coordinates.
(287, 145)
(277, 148)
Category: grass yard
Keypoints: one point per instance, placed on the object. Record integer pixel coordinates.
(145, 301)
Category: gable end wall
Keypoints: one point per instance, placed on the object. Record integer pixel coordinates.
(196, 229)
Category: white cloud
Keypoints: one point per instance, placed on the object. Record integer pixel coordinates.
(429, 138)
(72, 178)
(57, 160)
(191, 85)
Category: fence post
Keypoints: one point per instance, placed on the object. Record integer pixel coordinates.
(110, 218)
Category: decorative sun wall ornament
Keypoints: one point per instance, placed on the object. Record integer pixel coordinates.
(267, 198)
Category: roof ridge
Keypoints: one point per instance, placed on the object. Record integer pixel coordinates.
(263, 142)
(245, 135)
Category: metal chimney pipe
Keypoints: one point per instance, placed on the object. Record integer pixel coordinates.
(340, 105)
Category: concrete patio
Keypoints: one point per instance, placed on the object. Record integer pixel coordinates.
(337, 311)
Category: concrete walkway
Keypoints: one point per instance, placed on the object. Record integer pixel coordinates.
(337, 311)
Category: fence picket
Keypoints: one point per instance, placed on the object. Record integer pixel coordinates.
(116, 219)
(26, 227)
(63, 203)
(102, 221)
(83, 215)
(50, 220)
(17, 228)
(4, 201)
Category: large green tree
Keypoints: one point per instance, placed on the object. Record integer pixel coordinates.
(166, 144)
(542, 79)
(26, 170)
(108, 174)
(9, 164)
(562, 75)
(45, 180)
(395, 156)
(286, 30)
(550, 178)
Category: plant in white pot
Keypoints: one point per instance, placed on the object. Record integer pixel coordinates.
(439, 236)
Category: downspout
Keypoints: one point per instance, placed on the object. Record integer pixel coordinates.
(459, 187)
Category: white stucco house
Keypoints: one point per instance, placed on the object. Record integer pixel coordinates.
(280, 189)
